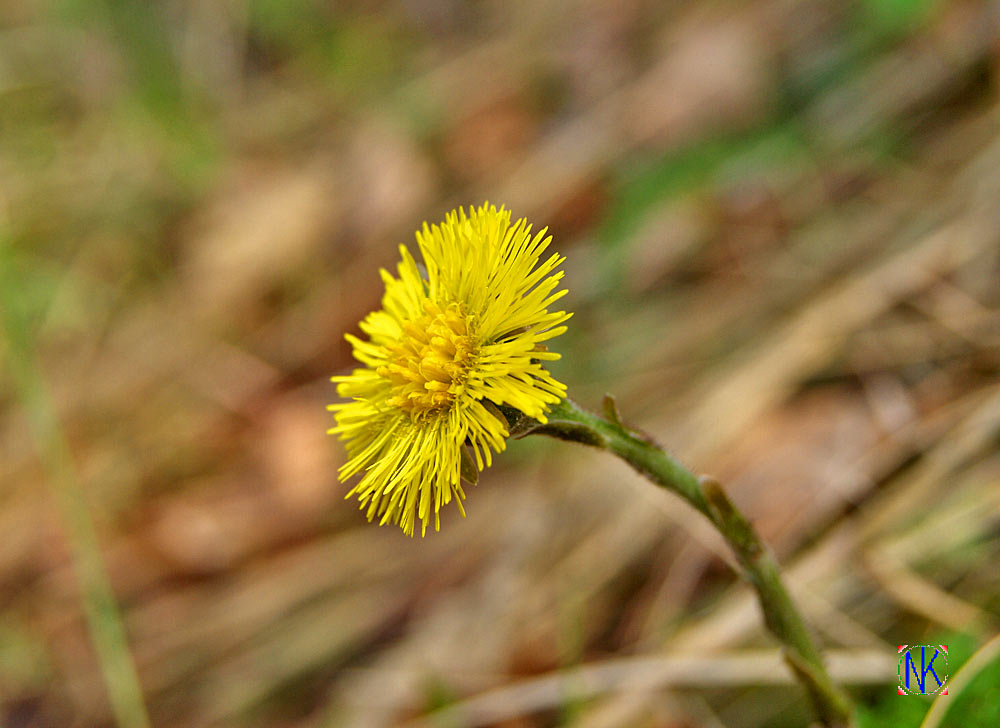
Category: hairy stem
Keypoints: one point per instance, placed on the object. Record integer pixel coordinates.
(757, 563)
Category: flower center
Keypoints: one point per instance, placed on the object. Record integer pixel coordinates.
(429, 364)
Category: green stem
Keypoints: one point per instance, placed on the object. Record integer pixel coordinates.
(757, 563)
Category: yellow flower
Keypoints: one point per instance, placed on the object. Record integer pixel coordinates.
(455, 339)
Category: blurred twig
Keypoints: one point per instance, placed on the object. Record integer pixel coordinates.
(641, 674)
(922, 596)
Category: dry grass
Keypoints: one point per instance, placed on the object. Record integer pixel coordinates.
(781, 230)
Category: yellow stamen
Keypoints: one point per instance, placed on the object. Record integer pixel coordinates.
(430, 363)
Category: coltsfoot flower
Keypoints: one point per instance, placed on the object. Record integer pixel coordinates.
(456, 339)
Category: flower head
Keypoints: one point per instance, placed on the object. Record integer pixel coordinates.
(455, 339)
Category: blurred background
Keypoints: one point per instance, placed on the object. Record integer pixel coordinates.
(782, 227)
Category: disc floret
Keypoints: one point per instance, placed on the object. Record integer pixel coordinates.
(431, 362)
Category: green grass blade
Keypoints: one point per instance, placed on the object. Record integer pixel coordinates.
(99, 604)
